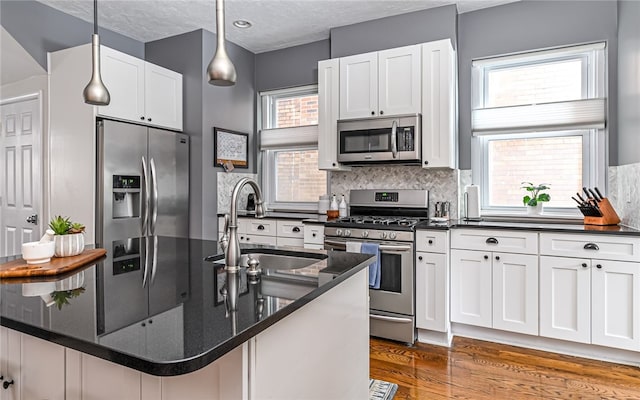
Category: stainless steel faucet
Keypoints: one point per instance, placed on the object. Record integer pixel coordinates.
(229, 241)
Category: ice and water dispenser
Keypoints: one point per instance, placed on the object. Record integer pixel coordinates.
(126, 196)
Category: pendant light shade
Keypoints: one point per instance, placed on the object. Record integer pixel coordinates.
(95, 93)
(221, 71)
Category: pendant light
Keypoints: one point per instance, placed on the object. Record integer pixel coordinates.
(95, 92)
(221, 71)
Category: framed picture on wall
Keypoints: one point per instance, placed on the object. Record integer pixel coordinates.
(231, 149)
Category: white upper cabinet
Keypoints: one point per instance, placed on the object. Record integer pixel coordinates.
(439, 127)
(163, 97)
(399, 81)
(123, 75)
(140, 91)
(359, 86)
(328, 112)
(380, 83)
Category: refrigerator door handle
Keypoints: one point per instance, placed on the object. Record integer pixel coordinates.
(145, 199)
(154, 261)
(146, 261)
(154, 196)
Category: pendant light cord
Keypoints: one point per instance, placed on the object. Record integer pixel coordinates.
(95, 17)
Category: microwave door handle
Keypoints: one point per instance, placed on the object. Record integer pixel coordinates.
(394, 141)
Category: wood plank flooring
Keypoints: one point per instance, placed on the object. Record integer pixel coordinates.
(477, 370)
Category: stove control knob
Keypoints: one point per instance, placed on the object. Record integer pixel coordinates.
(392, 235)
(339, 232)
(347, 232)
(365, 234)
(383, 235)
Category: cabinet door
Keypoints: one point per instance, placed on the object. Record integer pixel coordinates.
(431, 291)
(328, 114)
(399, 81)
(163, 97)
(615, 296)
(123, 75)
(515, 292)
(314, 234)
(439, 88)
(359, 86)
(565, 298)
(471, 287)
(35, 366)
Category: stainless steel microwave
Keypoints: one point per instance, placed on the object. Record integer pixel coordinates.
(380, 140)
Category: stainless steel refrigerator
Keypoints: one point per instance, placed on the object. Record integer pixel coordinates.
(143, 203)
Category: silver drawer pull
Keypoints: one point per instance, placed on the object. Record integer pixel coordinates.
(591, 246)
(390, 319)
(492, 240)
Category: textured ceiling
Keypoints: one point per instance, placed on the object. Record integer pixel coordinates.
(276, 23)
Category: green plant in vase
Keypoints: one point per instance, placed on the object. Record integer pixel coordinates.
(535, 196)
(68, 236)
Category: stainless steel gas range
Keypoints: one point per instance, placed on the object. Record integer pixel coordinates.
(388, 218)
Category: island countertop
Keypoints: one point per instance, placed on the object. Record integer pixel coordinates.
(169, 318)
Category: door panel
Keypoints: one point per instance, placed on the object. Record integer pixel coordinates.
(21, 180)
(471, 287)
(169, 157)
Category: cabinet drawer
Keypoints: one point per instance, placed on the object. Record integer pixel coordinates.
(291, 242)
(257, 226)
(290, 228)
(257, 239)
(314, 234)
(606, 247)
(432, 241)
(495, 240)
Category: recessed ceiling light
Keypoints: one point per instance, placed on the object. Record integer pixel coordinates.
(241, 23)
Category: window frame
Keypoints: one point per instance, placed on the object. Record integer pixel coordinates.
(594, 143)
(267, 157)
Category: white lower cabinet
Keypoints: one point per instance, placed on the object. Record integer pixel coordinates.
(33, 367)
(495, 290)
(431, 291)
(590, 301)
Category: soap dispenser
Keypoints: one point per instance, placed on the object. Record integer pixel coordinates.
(342, 208)
(333, 208)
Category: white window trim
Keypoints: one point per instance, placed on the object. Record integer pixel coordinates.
(595, 152)
(307, 140)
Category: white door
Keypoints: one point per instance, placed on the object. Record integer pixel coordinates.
(359, 86)
(615, 300)
(163, 97)
(471, 287)
(399, 81)
(21, 178)
(431, 291)
(565, 298)
(515, 292)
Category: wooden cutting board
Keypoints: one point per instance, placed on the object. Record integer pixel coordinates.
(58, 265)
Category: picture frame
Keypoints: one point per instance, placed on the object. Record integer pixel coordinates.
(230, 149)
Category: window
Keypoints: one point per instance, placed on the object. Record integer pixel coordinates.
(539, 117)
(291, 179)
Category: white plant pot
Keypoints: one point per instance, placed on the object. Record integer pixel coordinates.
(535, 210)
(69, 245)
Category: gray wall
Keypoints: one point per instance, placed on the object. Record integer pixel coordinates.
(205, 107)
(41, 29)
(293, 66)
(628, 82)
(400, 30)
(531, 25)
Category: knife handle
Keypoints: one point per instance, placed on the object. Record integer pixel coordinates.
(598, 191)
(584, 189)
(595, 196)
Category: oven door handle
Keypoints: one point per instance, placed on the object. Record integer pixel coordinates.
(390, 319)
(383, 247)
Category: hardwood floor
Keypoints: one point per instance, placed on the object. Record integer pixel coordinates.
(477, 370)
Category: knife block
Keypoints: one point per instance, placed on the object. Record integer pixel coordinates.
(609, 215)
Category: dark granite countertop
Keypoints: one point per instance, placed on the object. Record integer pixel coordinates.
(533, 226)
(282, 215)
(175, 320)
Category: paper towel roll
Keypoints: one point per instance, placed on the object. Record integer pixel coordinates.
(472, 193)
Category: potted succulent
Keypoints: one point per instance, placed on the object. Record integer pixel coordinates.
(69, 236)
(534, 199)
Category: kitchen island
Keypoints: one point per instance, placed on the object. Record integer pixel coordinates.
(162, 329)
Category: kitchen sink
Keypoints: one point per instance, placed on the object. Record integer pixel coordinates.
(274, 259)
